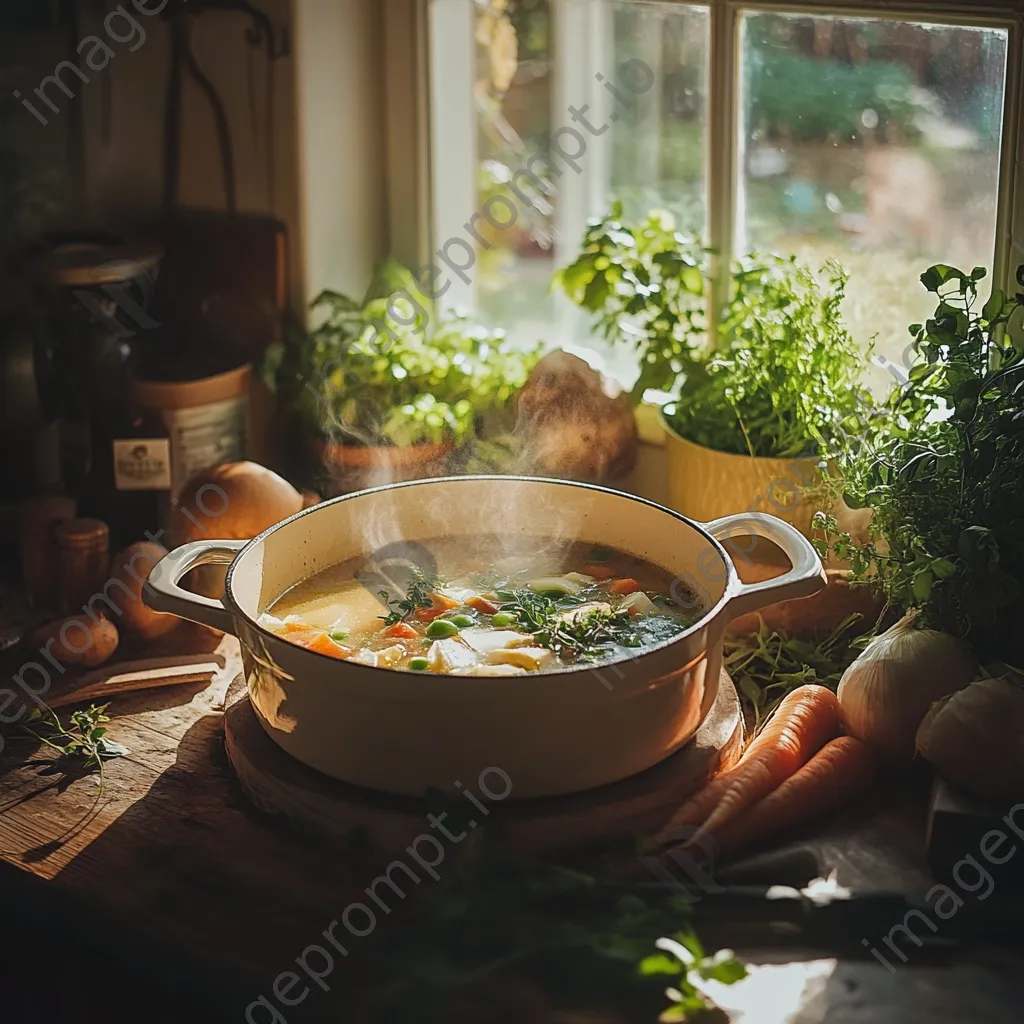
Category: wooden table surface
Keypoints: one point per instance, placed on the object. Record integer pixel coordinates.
(174, 878)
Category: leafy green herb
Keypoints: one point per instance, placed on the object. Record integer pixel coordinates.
(686, 960)
(645, 286)
(85, 736)
(768, 664)
(533, 611)
(384, 371)
(787, 375)
(587, 634)
(943, 473)
(776, 377)
(416, 596)
(495, 923)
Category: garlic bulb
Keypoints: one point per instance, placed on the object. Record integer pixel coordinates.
(975, 738)
(887, 691)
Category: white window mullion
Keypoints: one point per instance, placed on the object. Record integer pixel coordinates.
(583, 49)
(1010, 214)
(453, 138)
(724, 178)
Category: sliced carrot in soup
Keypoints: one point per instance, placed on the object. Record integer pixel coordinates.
(402, 631)
(323, 644)
(439, 604)
(626, 586)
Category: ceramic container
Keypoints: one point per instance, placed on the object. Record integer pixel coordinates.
(553, 733)
(706, 484)
(350, 467)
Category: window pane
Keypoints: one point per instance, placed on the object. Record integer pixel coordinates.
(639, 70)
(659, 151)
(875, 142)
(515, 104)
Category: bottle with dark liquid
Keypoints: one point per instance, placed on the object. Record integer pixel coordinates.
(115, 459)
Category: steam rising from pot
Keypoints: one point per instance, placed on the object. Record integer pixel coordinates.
(567, 421)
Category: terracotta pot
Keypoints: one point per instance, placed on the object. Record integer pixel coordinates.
(549, 733)
(352, 467)
(706, 484)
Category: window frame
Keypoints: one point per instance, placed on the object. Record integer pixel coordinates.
(409, 104)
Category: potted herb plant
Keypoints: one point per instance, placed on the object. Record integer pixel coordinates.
(756, 408)
(645, 286)
(382, 392)
(943, 472)
(755, 418)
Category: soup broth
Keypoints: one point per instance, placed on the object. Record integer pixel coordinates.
(542, 608)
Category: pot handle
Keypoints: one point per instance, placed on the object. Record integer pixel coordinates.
(161, 592)
(805, 578)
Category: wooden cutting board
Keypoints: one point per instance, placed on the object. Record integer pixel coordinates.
(278, 784)
(185, 656)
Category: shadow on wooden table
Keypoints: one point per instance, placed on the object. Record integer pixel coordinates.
(179, 902)
(183, 888)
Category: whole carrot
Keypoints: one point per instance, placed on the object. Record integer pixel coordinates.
(804, 720)
(841, 770)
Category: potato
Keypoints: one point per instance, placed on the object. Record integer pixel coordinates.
(576, 422)
(78, 640)
(131, 568)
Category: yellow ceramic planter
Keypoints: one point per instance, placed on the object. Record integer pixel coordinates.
(705, 484)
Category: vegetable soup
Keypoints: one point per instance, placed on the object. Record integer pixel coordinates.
(549, 607)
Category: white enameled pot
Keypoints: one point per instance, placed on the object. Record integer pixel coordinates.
(554, 733)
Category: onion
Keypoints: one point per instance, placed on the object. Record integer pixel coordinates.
(885, 694)
(975, 738)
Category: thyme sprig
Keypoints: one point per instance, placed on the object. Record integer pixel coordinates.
(416, 596)
(84, 737)
(584, 636)
(587, 635)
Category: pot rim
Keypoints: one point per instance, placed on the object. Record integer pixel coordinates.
(702, 623)
(762, 459)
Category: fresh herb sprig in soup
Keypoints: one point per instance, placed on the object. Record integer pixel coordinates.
(546, 608)
(417, 596)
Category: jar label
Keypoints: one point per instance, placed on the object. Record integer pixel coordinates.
(142, 464)
(205, 435)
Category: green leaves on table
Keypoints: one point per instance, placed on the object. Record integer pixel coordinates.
(497, 923)
(768, 664)
(84, 738)
(686, 964)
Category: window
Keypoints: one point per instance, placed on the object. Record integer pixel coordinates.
(875, 142)
(879, 139)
